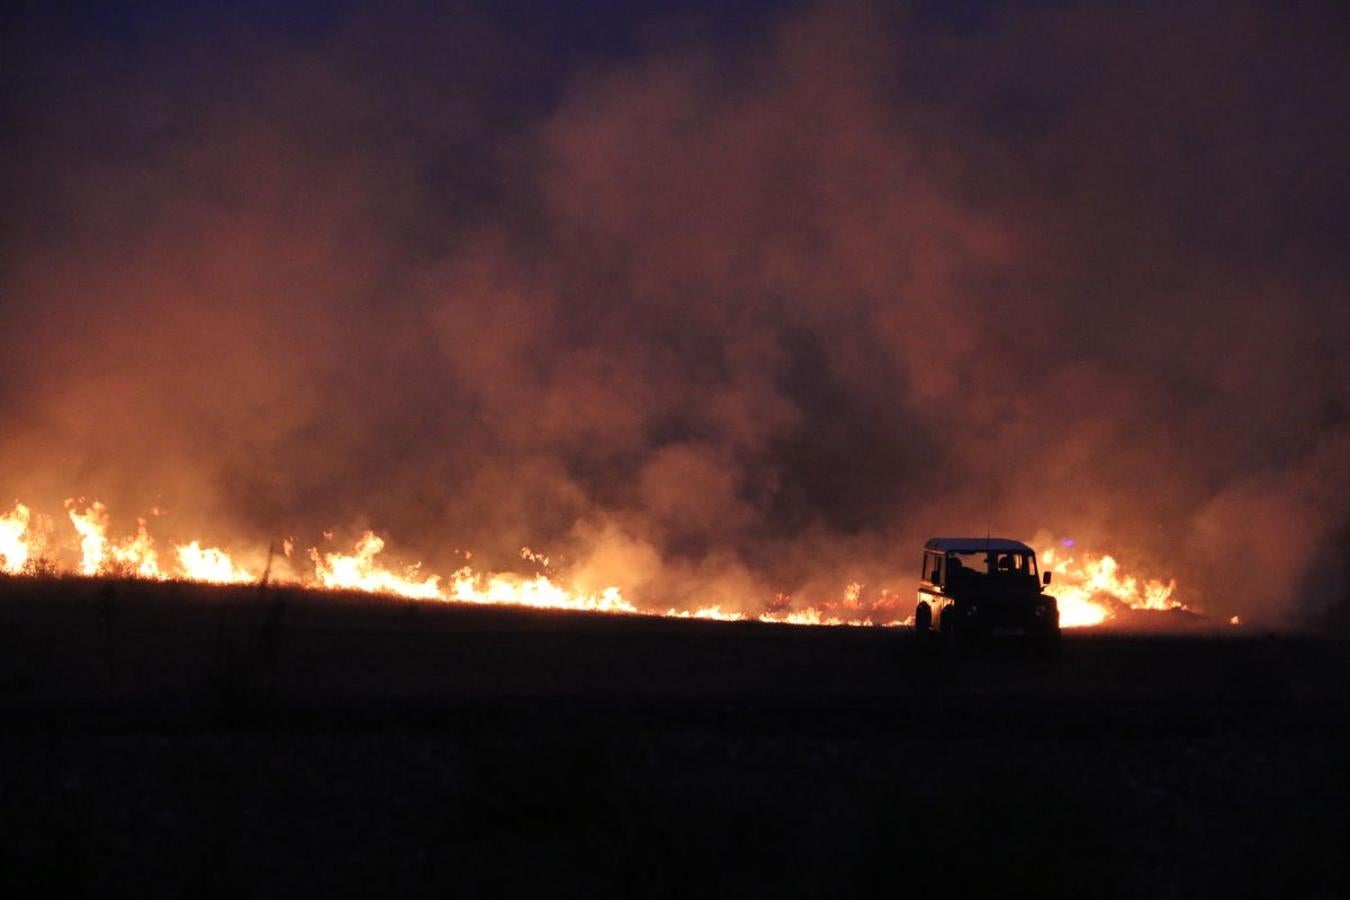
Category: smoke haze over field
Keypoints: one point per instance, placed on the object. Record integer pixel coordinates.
(712, 309)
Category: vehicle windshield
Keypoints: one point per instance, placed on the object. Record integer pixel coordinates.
(985, 563)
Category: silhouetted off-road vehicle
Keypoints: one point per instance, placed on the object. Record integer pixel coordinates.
(983, 590)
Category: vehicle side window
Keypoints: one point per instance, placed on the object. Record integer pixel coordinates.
(1015, 564)
(935, 569)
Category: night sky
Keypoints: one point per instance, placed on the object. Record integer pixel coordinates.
(713, 303)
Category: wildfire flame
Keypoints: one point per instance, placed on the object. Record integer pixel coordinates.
(92, 524)
(209, 564)
(714, 613)
(540, 592)
(360, 572)
(1091, 590)
(14, 548)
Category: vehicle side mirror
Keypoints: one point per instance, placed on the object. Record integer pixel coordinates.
(1045, 579)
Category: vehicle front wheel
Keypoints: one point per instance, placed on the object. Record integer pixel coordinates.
(953, 640)
(1047, 646)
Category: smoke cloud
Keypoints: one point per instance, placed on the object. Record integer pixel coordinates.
(713, 313)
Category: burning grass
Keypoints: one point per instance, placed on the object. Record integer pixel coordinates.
(1092, 590)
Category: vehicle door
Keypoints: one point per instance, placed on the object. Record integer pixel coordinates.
(930, 584)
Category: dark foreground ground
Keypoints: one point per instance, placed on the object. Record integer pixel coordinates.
(171, 740)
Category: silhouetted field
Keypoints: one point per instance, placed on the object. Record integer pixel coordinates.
(174, 739)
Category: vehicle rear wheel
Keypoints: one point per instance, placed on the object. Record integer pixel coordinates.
(923, 623)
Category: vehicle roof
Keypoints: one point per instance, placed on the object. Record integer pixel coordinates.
(976, 544)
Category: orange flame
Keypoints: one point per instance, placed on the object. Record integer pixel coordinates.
(714, 613)
(539, 592)
(136, 556)
(808, 616)
(92, 525)
(14, 542)
(360, 572)
(1091, 590)
(210, 565)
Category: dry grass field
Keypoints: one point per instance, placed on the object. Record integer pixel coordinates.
(175, 739)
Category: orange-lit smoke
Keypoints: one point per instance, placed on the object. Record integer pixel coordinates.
(712, 319)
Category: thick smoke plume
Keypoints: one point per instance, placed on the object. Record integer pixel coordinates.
(714, 313)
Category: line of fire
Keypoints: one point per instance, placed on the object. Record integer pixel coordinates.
(1091, 590)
